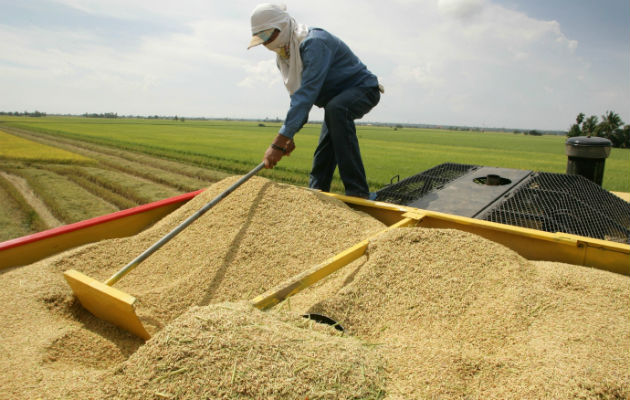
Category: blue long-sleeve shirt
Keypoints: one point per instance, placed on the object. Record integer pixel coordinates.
(329, 68)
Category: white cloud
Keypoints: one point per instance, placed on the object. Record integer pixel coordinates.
(461, 9)
(263, 74)
(442, 61)
(419, 74)
(474, 59)
(144, 9)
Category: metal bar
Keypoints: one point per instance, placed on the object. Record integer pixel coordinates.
(320, 271)
(134, 263)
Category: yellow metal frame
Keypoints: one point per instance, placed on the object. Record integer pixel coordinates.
(320, 271)
(35, 247)
(530, 243)
(623, 195)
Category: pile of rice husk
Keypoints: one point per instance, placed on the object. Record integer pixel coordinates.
(458, 316)
(430, 313)
(232, 350)
(260, 235)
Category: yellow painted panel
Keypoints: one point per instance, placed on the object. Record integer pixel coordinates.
(530, 243)
(539, 245)
(106, 302)
(623, 195)
(387, 213)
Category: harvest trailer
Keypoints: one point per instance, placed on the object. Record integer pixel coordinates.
(436, 272)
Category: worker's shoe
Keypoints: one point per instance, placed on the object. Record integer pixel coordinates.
(372, 196)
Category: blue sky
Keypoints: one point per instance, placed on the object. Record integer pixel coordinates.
(528, 64)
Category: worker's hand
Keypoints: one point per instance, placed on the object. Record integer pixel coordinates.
(280, 147)
(272, 157)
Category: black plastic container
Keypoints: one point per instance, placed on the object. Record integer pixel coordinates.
(587, 157)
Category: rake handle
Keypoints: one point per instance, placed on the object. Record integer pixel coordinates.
(134, 263)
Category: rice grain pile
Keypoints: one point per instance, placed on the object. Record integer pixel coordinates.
(458, 316)
(232, 350)
(260, 235)
(257, 237)
(430, 313)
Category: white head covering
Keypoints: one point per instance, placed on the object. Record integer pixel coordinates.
(266, 16)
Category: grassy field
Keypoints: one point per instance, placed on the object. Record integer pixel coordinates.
(85, 167)
(238, 146)
(17, 218)
(16, 148)
(66, 201)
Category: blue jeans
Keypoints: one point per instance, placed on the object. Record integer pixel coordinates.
(338, 144)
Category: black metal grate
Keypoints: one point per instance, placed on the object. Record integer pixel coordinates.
(565, 203)
(544, 201)
(416, 186)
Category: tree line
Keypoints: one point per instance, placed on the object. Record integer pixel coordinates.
(610, 127)
(101, 115)
(24, 114)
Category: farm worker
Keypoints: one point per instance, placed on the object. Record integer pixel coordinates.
(318, 69)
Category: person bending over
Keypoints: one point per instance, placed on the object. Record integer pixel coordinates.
(318, 69)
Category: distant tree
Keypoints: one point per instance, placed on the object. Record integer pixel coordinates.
(580, 118)
(611, 122)
(589, 126)
(623, 137)
(609, 128)
(575, 129)
(25, 113)
(105, 115)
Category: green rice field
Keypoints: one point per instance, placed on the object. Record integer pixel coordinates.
(16, 218)
(78, 168)
(68, 202)
(238, 146)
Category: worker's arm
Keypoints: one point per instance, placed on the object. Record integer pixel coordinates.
(316, 59)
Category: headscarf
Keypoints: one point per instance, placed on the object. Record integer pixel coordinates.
(266, 16)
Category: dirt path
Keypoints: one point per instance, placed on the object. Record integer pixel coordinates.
(31, 198)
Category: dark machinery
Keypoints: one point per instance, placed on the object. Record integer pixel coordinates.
(545, 201)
